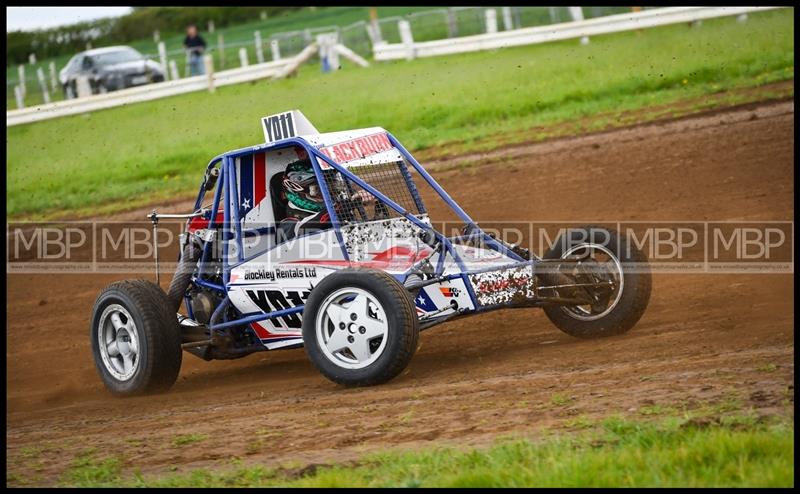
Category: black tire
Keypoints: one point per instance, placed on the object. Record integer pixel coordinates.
(402, 334)
(157, 335)
(635, 292)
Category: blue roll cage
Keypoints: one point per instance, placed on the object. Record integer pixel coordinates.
(227, 181)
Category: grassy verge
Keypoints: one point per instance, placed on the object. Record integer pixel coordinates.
(732, 451)
(154, 150)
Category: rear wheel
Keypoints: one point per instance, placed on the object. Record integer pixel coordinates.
(360, 327)
(136, 342)
(618, 279)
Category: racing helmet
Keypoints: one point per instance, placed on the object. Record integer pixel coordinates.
(301, 187)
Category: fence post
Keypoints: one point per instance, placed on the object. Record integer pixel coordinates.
(508, 23)
(517, 17)
(156, 36)
(373, 28)
(173, 70)
(243, 57)
(20, 98)
(274, 45)
(259, 48)
(577, 15)
(211, 27)
(43, 85)
(53, 78)
(208, 61)
(162, 55)
(32, 59)
(553, 15)
(221, 48)
(21, 73)
(373, 38)
(452, 23)
(491, 21)
(408, 39)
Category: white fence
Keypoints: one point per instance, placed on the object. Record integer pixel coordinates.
(209, 81)
(409, 49)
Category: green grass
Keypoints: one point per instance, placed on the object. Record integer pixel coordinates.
(87, 471)
(186, 439)
(156, 150)
(560, 400)
(735, 451)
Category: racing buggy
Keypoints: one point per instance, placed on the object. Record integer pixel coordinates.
(355, 285)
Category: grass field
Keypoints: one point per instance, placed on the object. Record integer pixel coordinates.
(730, 451)
(156, 150)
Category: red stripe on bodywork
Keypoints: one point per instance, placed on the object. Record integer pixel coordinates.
(264, 334)
(198, 223)
(398, 257)
(259, 178)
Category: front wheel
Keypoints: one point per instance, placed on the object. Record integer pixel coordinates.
(611, 274)
(360, 327)
(135, 338)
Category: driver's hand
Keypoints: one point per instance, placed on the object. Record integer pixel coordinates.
(363, 196)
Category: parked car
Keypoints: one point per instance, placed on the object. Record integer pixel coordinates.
(109, 69)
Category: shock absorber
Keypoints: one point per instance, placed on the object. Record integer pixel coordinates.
(183, 275)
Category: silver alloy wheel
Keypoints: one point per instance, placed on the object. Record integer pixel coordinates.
(351, 328)
(585, 312)
(118, 341)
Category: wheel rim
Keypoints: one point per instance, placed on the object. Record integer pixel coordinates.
(118, 341)
(608, 268)
(352, 328)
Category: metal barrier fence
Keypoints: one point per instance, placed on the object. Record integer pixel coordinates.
(413, 44)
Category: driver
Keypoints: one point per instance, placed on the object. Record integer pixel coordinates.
(305, 205)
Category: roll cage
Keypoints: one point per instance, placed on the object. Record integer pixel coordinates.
(231, 228)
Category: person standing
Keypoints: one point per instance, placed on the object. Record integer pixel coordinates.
(195, 46)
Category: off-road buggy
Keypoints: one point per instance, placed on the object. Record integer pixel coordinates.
(355, 292)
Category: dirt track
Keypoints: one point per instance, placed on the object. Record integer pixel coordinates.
(704, 338)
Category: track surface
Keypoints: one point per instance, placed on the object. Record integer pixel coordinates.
(507, 373)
